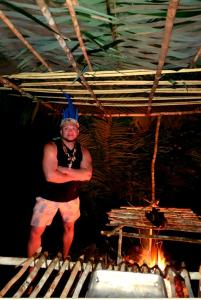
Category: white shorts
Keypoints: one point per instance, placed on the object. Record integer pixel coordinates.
(45, 210)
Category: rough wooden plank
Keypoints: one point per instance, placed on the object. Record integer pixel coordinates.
(82, 280)
(71, 279)
(45, 277)
(30, 277)
(56, 279)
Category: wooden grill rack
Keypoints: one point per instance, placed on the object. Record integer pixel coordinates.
(177, 219)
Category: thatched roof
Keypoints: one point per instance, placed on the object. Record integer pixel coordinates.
(117, 58)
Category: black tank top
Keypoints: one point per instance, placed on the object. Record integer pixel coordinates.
(64, 192)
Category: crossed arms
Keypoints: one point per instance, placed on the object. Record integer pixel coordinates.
(58, 174)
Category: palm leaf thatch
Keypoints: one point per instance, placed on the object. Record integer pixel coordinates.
(135, 45)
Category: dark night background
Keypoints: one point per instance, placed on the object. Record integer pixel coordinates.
(21, 149)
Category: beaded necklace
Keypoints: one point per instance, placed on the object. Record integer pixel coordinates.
(70, 154)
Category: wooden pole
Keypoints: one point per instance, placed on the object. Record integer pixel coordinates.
(160, 237)
(153, 193)
(153, 196)
(119, 255)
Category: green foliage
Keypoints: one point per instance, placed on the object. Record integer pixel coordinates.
(130, 33)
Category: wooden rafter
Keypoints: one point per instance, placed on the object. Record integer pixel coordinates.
(70, 7)
(47, 14)
(172, 9)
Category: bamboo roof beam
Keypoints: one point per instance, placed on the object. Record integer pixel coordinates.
(95, 74)
(113, 83)
(115, 91)
(122, 115)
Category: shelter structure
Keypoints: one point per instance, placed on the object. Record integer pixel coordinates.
(115, 58)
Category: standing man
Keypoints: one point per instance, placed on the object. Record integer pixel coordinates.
(65, 164)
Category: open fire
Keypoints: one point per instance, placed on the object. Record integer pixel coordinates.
(155, 257)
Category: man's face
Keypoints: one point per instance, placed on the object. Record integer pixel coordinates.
(69, 131)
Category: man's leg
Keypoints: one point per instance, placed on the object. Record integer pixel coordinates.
(34, 240)
(68, 236)
(43, 214)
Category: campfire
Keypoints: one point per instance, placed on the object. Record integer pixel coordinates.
(155, 258)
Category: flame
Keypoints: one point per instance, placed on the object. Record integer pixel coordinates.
(156, 257)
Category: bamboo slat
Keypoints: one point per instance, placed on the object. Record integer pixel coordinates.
(94, 74)
(111, 93)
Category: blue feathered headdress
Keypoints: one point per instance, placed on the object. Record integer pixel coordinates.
(70, 113)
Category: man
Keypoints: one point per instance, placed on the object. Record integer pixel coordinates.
(65, 165)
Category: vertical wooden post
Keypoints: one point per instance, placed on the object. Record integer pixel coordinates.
(119, 255)
(153, 193)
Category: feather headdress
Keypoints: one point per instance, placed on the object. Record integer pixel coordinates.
(70, 113)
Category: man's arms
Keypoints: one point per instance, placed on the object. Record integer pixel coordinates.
(58, 174)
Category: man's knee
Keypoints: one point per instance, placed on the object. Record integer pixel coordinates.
(69, 227)
(36, 232)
